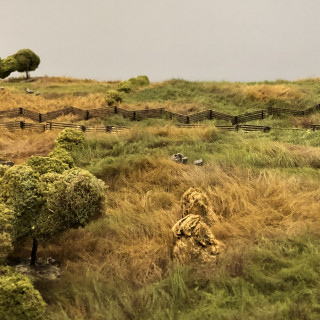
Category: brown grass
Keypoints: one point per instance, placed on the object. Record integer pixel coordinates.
(19, 145)
(134, 242)
(10, 99)
(266, 92)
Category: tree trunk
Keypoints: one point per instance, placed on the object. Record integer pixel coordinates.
(27, 74)
(34, 252)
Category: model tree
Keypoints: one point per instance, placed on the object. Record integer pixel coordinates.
(48, 198)
(27, 61)
(7, 66)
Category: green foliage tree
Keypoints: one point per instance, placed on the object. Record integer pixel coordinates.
(18, 298)
(7, 66)
(19, 189)
(6, 231)
(71, 200)
(48, 197)
(27, 61)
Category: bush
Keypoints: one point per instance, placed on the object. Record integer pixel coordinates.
(44, 165)
(69, 138)
(3, 169)
(113, 97)
(140, 81)
(6, 231)
(18, 298)
(125, 86)
(63, 155)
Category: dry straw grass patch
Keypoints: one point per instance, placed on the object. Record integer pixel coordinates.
(134, 242)
(265, 92)
(18, 146)
(10, 99)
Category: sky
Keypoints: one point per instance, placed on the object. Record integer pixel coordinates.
(198, 40)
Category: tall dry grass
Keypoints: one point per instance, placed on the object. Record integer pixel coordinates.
(19, 145)
(130, 248)
(267, 92)
(10, 99)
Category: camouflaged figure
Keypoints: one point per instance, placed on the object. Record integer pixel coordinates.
(194, 241)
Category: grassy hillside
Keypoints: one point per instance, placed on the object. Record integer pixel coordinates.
(263, 186)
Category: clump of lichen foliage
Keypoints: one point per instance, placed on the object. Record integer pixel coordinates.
(41, 199)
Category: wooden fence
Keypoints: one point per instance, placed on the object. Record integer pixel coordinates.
(137, 115)
(22, 125)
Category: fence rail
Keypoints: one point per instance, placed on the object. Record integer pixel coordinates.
(22, 125)
(153, 113)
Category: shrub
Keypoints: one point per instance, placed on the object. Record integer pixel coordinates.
(125, 86)
(3, 169)
(140, 81)
(113, 97)
(6, 231)
(69, 138)
(18, 298)
(44, 165)
(63, 155)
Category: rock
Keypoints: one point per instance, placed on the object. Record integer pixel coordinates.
(7, 163)
(45, 269)
(195, 201)
(184, 160)
(29, 91)
(179, 158)
(1, 88)
(198, 162)
(37, 93)
(194, 241)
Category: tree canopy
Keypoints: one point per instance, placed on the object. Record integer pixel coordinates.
(24, 60)
(27, 61)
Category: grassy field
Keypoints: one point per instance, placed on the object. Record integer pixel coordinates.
(263, 186)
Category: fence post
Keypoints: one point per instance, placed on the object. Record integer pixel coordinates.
(87, 115)
(22, 125)
(83, 128)
(210, 115)
(235, 120)
(40, 117)
(134, 116)
(262, 114)
(20, 110)
(115, 109)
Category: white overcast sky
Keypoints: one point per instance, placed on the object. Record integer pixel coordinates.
(234, 40)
